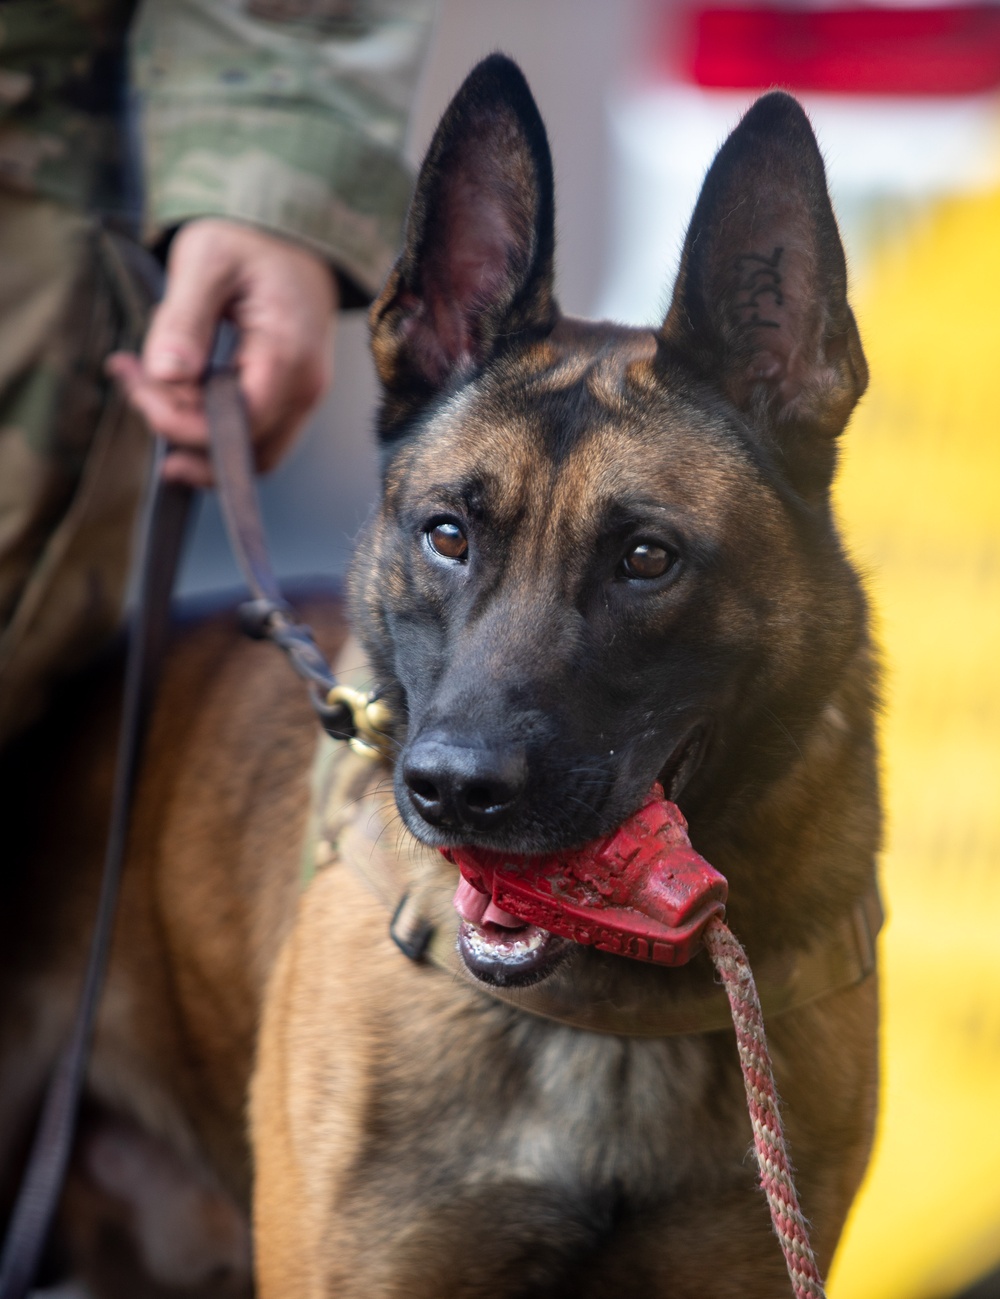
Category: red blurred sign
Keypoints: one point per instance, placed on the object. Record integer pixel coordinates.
(897, 51)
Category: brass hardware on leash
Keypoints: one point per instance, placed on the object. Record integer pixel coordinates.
(371, 718)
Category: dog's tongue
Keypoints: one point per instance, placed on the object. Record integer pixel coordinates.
(642, 891)
(480, 909)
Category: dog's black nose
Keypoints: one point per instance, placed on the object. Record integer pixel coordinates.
(462, 787)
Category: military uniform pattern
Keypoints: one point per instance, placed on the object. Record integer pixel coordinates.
(291, 117)
(289, 114)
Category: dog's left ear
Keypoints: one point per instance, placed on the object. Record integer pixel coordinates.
(761, 298)
(475, 273)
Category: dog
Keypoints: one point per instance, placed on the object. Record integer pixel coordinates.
(603, 557)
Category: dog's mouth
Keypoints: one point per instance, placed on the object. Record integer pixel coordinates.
(637, 891)
(641, 892)
(500, 949)
(683, 761)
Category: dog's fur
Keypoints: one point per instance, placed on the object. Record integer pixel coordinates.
(408, 1135)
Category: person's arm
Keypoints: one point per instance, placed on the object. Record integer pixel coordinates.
(275, 142)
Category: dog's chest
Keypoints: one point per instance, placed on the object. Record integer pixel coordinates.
(544, 1104)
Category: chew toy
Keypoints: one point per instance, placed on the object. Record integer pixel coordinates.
(641, 891)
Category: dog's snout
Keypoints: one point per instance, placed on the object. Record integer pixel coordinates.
(460, 787)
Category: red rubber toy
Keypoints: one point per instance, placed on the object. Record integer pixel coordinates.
(641, 892)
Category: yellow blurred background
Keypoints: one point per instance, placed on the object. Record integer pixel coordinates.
(919, 499)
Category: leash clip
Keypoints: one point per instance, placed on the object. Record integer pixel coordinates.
(362, 718)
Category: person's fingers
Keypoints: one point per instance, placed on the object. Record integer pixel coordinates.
(281, 379)
(125, 368)
(174, 410)
(160, 405)
(202, 279)
(281, 297)
(286, 318)
(279, 390)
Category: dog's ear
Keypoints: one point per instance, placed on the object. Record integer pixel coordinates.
(476, 267)
(761, 299)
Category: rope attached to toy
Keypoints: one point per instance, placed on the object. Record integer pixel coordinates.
(762, 1100)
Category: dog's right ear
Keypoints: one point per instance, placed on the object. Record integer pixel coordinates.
(760, 307)
(476, 267)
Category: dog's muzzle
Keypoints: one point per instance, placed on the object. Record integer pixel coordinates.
(641, 892)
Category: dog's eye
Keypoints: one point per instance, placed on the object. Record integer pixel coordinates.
(646, 561)
(447, 539)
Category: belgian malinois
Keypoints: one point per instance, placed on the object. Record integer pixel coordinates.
(603, 557)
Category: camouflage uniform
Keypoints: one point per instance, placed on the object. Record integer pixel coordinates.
(286, 113)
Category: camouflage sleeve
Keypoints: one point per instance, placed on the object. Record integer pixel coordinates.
(289, 114)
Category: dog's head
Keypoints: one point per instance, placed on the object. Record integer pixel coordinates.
(604, 556)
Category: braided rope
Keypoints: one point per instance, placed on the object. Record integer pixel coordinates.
(762, 1101)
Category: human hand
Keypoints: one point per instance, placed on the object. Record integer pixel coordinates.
(283, 300)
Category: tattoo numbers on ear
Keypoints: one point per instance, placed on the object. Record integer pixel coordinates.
(758, 277)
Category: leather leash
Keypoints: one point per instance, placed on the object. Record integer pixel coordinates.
(160, 537)
(344, 713)
(157, 547)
